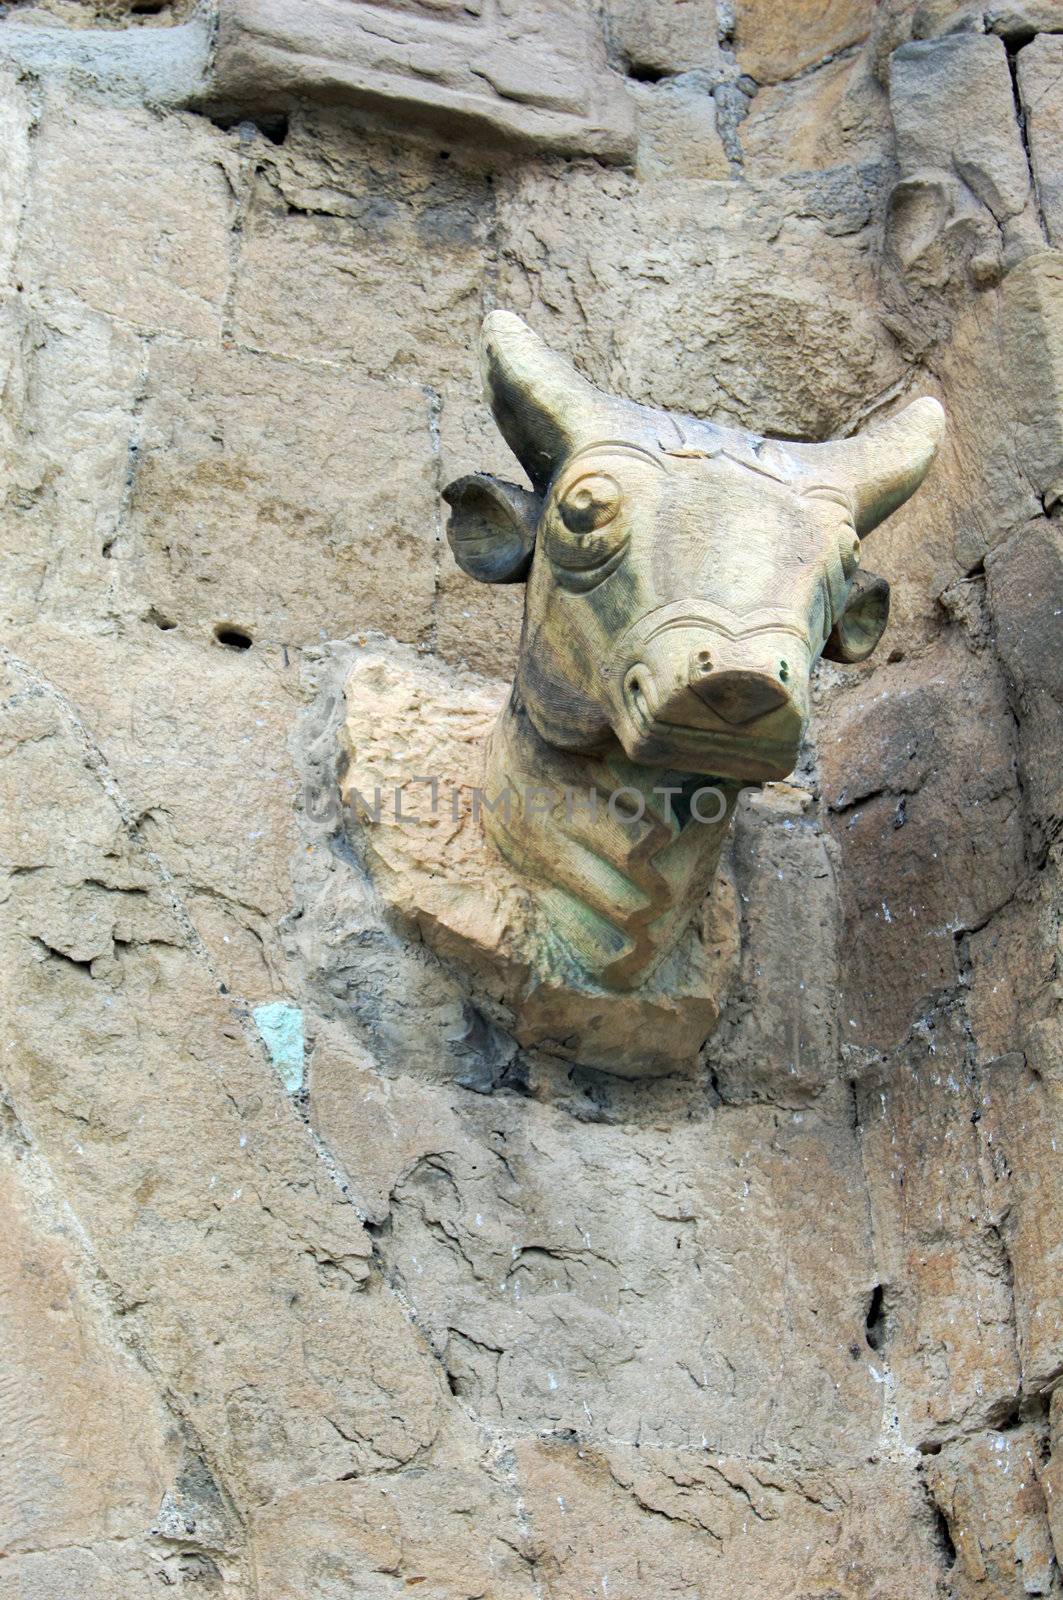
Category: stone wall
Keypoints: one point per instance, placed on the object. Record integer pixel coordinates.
(314, 1289)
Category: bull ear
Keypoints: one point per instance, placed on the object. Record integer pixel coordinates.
(539, 401)
(491, 527)
(880, 467)
(862, 623)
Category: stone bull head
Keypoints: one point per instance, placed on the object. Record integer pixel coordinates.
(682, 580)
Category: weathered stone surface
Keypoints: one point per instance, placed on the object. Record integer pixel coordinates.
(659, 37)
(100, 13)
(679, 134)
(74, 1395)
(164, 192)
(363, 254)
(826, 119)
(1025, 588)
(580, 256)
(534, 74)
(941, 1328)
(1039, 68)
(284, 490)
(918, 776)
(627, 1522)
(964, 203)
(690, 1260)
(990, 1496)
(773, 44)
(1017, 19)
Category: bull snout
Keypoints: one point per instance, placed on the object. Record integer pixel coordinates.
(702, 701)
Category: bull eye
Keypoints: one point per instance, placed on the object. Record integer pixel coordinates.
(590, 503)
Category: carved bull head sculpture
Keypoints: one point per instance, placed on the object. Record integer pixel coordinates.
(682, 579)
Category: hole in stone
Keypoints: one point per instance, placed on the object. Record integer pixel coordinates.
(943, 1537)
(232, 638)
(875, 1321)
(161, 620)
(275, 129)
(148, 8)
(642, 72)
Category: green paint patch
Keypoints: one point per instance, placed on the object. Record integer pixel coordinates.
(281, 1027)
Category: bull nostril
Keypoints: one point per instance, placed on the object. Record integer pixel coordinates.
(784, 671)
(704, 661)
(634, 692)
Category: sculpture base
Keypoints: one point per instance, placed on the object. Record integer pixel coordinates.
(413, 746)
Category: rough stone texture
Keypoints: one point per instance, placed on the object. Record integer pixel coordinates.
(535, 74)
(1040, 66)
(773, 43)
(462, 1319)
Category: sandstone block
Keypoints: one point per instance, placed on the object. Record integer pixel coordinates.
(773, 43)
(639, 1522)
(1039, 68)
(362, 252)
(658, 37)
(964, 203)
(1025, 588)
(773, 345)
(161, 187)
(833, 116)
(918, 774)
(678, 132)
(287, 506)
(988, 1490)
(943, 1337)
(530, 75)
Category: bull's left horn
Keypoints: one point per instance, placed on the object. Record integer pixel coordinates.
(884, 464)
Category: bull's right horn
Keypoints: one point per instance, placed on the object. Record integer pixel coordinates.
(541, 403)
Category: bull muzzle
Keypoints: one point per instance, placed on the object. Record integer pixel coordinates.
(713, 693)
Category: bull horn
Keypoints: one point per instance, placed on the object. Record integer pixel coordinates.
(883, 465)
(539, 401)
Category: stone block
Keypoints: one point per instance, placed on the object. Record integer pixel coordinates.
(628, 1523)
(1025, 589)
(658, 38)
(289, 504)
(918, 775)
(532, 74)
(678, 132)
(831, 117)
(360, 252)
(942, 1332)
(988, 1490)
(773, 43)
(169, 212)
(783, 338)
(1040, 65)
(963, 210)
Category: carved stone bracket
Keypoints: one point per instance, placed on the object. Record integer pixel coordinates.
(410, 720)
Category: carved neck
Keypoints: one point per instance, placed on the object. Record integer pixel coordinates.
(618, 857)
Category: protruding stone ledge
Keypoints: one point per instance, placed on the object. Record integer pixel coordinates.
(529, 74)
